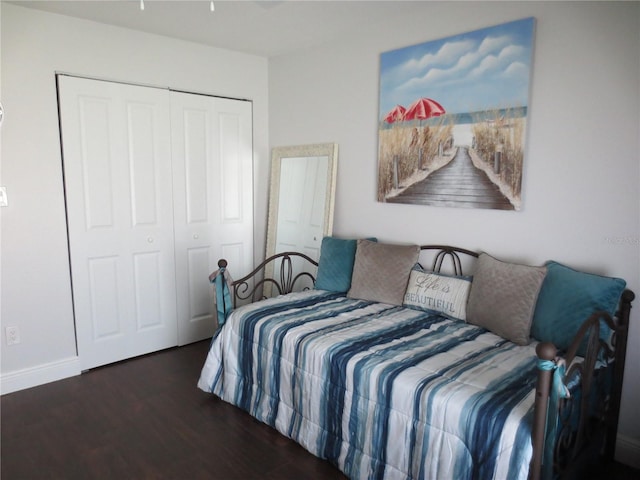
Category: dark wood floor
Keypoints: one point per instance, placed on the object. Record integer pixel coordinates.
(145, 419)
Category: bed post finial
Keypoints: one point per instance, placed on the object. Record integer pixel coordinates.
(545, 351)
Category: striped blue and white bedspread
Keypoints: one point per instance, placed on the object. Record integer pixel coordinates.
(381, 391)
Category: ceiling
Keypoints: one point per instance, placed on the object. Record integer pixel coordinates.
(263, 27)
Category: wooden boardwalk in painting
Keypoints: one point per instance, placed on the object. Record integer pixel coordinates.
(457, 184)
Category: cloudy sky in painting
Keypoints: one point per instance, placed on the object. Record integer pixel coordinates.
(479, 70)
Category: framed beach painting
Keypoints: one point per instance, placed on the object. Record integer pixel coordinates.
(453, 119)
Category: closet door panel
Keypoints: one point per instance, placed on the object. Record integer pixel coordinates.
(117, 165)
(148, 291)
(144, 166)
(197, 160)
(235, 214)
(105, 298)
(231, 168)
(95, 168)
(213, 200)
(199, 298)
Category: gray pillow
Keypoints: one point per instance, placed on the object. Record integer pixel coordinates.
(381, 271)
(503, 297)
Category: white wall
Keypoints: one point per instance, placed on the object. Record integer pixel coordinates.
(36, 291)
(580, 195)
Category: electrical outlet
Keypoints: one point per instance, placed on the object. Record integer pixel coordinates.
(13, 335)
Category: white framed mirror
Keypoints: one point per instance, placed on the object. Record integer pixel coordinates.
(301, 199)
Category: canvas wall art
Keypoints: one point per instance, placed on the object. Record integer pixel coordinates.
(453, 119)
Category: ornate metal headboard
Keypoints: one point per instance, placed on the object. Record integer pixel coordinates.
(443, 256)
(250, 287)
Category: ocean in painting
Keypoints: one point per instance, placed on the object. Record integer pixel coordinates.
(463, 118)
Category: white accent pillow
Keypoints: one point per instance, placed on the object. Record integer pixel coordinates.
(438, 293)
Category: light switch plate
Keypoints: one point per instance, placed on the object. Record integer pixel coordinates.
(4, 201)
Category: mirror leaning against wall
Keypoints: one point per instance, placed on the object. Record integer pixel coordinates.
(301, 201)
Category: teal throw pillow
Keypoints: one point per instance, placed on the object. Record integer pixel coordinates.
(335, 266)
(567, 298)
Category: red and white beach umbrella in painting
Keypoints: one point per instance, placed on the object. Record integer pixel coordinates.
(395, 115)
(424, 108)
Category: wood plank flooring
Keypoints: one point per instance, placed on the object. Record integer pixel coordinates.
(146, 419)
(143, 419)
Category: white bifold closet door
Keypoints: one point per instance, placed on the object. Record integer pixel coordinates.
(149, 213)
(213, 201)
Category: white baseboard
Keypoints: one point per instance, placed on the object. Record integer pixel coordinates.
(34, 376)
(628, 451)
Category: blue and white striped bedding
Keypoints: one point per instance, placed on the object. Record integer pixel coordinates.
(381, 391)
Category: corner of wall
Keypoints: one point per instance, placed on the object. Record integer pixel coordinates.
(628, 451)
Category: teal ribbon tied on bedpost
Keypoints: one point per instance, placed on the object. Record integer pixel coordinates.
(558, 390)
(222, 296)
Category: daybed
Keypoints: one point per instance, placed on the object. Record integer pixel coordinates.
(389, 370)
